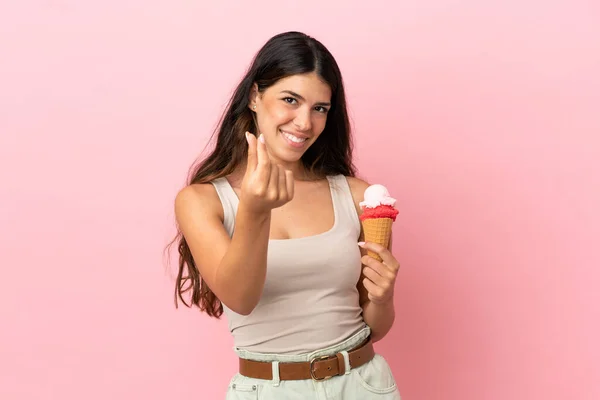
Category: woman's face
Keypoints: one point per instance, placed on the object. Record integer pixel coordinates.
(291, 114)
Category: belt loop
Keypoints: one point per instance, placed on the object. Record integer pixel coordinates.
(275, 366)
(346, 361)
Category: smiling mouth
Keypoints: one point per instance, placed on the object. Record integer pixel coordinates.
(292, 138)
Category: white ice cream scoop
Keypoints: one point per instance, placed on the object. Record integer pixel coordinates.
(377, 195)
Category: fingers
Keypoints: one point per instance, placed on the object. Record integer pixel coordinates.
(289, 182)
(386, 256)
(261, 151)
(372, 289)
(377, 294)
(373, 276)
(271, 183)
(252, 156)
(263, 165)
(281, 184)
(379, 268)
(273, 188)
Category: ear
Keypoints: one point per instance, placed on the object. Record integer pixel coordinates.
(253, 97)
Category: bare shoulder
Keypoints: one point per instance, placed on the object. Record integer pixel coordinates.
(197, 200)
(357, 188)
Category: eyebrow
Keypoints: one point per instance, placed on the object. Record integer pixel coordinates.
(303, 99)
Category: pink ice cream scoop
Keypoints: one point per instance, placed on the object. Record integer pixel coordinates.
(378, 203)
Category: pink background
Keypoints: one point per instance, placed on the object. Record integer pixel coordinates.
(482, 117)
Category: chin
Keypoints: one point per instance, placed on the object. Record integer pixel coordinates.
(288, 156)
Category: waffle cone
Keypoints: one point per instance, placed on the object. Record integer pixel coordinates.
(377, 230)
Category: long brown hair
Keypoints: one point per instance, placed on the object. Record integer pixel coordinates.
(283, 55)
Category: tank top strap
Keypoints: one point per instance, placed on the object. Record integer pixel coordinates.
(344, 204)
(229, 201)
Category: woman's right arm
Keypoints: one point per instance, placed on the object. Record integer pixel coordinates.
(235, 268)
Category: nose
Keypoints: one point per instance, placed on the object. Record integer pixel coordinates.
(302, 120)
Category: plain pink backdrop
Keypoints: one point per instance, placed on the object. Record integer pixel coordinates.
(481, 116)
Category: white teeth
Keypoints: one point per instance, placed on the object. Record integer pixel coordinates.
(294, 138)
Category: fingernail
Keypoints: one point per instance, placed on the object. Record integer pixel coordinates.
(361, 244)
(261, 138)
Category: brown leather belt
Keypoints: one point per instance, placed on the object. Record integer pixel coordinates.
(318, 368)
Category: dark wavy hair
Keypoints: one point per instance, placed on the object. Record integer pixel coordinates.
(283, 55)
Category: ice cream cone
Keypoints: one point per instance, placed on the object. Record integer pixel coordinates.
(377, 230)
(378, 215)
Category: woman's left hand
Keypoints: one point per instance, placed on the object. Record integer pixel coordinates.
(380, 276)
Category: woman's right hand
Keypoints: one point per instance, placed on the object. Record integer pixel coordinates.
(265, 185)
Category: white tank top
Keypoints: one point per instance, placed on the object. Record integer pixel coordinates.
(310, 300)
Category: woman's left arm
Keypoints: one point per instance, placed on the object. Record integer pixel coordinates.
(377, 280)
(376, 289)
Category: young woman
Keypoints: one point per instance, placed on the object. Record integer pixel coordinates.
(269, 234)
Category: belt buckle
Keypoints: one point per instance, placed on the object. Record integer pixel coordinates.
(312, 372)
